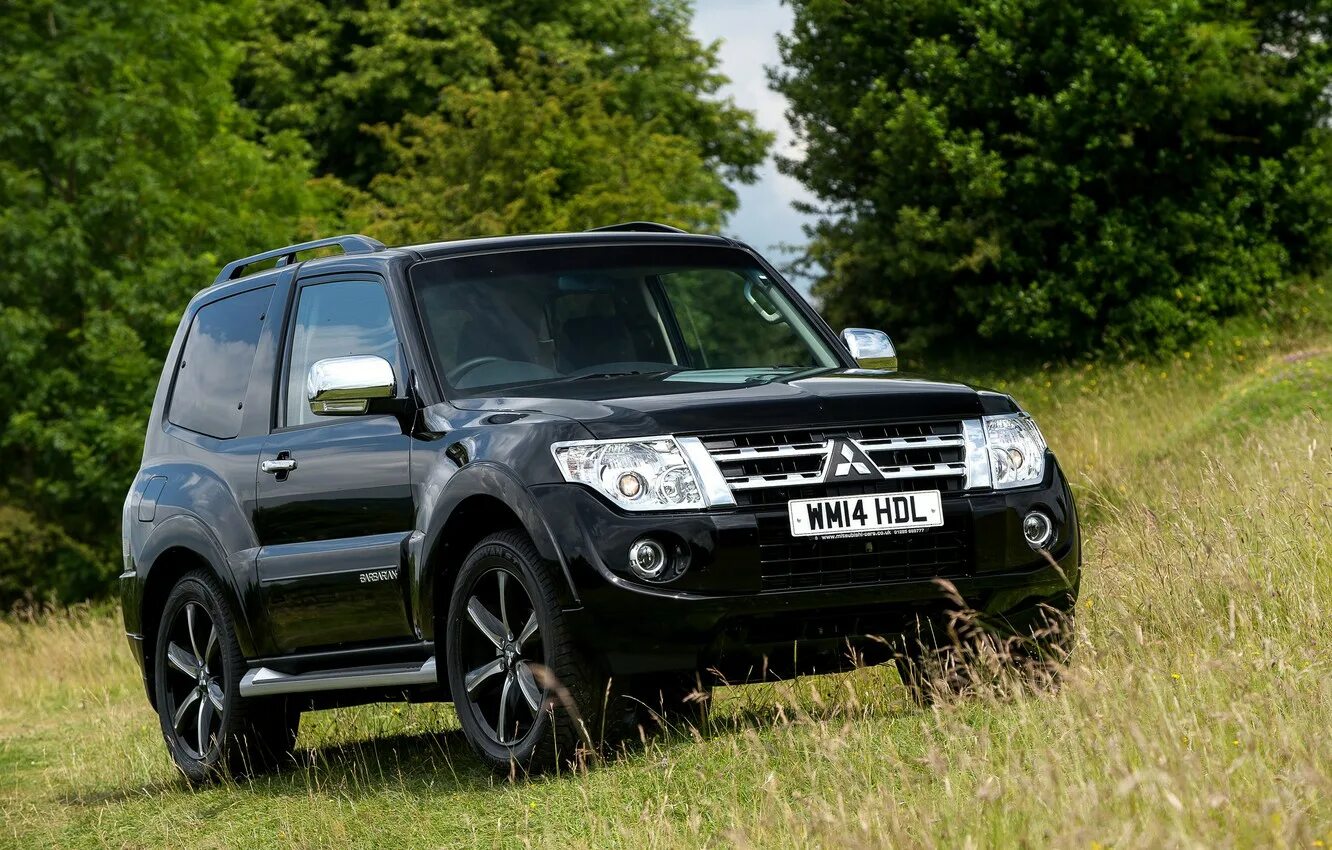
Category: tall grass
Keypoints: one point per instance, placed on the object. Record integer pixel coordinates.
(1194, 711)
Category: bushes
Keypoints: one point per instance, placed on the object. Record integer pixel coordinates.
(1064, 174)
(40, 563)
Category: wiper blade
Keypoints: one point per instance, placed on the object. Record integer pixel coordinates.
(593, 375)
(625, 374)
(789, 371)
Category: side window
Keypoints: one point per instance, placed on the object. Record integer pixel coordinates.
(335, 320)
(215, 364)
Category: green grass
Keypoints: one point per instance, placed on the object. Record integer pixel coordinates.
(1194, 712)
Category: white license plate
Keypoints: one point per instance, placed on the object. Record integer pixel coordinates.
(865, 515)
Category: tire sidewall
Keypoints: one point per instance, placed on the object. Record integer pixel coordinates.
(489, 556)
(193, 589)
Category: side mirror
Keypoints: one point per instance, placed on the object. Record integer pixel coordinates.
(344, 386)
(871, 349)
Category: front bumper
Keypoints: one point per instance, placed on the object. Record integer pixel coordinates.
(735, 609)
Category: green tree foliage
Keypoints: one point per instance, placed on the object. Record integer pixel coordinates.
(125, 180)
(365, 82)
(143, 144)
(1059, 173)
(539, 152)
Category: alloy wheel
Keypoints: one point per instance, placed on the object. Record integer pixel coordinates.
(500, 644)
(196, 693)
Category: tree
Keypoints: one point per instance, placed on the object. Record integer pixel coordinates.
(1068, 175)
(125, 180)
(130, 171)
(539, 152)
(359, 81)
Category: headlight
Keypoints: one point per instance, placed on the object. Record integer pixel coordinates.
(643, 474)
(1016, 449)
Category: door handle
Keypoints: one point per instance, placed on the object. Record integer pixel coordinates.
(275, 467)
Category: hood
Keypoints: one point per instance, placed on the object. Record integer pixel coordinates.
(637, 406)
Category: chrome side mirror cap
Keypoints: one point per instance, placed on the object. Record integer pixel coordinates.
(870, 348)
(345, 386)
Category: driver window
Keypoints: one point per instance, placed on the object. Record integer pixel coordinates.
(336, 320)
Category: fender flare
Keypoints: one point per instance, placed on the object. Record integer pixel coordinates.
(186, 531)
(479, 478)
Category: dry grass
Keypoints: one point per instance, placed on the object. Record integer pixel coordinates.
(1195, 711)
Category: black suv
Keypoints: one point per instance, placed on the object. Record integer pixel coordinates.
(546, 477)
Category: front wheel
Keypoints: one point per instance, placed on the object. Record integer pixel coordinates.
(208, 726)
(526, 698)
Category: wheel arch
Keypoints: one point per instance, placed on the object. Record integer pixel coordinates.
(479, 500)
(180, 545)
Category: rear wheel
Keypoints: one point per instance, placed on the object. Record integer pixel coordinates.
(526, 698)
(208, 726)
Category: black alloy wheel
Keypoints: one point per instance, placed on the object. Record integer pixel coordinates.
(209, 728)
(525, 696)
(499, 656)
(195, 697)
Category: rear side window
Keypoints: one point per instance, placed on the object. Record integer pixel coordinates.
(215, 364)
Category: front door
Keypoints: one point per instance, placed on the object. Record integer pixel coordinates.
(334, 497)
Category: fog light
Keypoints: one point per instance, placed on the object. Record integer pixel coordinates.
(647, 559)
(1038, 529)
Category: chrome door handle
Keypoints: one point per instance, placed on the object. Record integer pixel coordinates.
(273, 467)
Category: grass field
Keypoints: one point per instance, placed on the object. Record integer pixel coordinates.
(1196, 711)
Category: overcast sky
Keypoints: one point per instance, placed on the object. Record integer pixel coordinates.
(748, 32)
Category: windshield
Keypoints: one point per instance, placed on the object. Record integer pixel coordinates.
(518, 318)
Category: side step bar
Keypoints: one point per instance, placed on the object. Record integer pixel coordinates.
(264, 682)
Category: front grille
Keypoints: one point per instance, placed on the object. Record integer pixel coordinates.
(767, 469)
(773, 467)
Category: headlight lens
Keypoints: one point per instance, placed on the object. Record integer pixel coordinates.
(645, 474)
(1016, 449)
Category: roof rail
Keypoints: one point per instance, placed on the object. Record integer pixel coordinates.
(352, 243)
(637, 227)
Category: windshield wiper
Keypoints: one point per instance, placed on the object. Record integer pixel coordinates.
(625, 374)
(789, 371)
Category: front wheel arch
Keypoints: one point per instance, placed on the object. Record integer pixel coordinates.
(481, 499)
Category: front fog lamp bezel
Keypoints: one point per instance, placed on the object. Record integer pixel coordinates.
(1047, 535)
(650, 560)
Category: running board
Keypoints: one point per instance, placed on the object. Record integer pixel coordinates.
(264, 682)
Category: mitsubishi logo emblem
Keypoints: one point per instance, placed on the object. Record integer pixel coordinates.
(849, 463)
(846, 462)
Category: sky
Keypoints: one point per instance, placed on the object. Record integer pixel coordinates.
(748, 33)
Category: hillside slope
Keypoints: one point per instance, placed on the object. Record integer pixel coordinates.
(1194, 712)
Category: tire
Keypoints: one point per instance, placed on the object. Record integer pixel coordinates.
(935, 667)
(678, 702)
(242, 737)
(526, 698)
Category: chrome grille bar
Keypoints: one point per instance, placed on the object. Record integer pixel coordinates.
(821, 449)
(932, 470)
(758, 452)
(754, 482)
(910, 443)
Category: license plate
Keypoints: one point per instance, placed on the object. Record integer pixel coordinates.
(865, 515)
